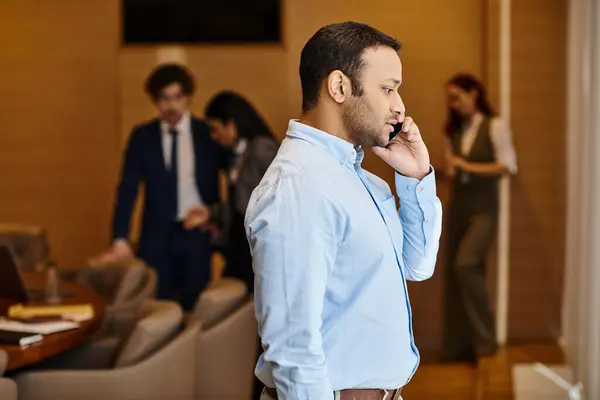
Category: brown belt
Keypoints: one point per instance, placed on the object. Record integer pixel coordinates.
(357, 394)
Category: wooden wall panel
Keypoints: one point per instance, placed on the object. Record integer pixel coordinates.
(59, 120)
(491, 78)
(538, 192)
(538, 95)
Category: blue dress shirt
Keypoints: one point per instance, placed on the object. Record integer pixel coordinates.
(332, 254)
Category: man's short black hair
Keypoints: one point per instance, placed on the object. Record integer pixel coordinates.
(167, 74)
(337, 46)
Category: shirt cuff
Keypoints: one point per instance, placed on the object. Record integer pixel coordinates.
(412, 189)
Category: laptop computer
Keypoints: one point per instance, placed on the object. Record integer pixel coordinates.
(12, 285)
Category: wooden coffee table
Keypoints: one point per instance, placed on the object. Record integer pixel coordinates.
(56, 343)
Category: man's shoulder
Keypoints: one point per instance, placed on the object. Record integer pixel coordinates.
(303, 155)
(281, 170)
(288, 187)
(146, 125)
(143, 130)
(198, 124)
(299, 160)
(287, 173)
(298, 169)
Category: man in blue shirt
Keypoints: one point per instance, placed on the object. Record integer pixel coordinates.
(331, 251)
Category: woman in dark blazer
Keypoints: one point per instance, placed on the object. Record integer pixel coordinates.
(236, 125)
(479, 152)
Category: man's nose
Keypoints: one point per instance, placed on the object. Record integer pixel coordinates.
(398, 107)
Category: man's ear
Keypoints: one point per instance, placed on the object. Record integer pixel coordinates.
(338, 86)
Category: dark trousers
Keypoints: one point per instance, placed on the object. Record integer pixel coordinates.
(237, 254)
(469, 326)
(184, 266)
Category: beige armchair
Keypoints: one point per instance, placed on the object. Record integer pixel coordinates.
(218, 301)
(226, 356)
(8, 388)
(167, 373)
(157, 321)
(123, 287)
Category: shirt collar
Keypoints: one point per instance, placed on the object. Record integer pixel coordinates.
(241, 146)
(344, 152)
(182, 126)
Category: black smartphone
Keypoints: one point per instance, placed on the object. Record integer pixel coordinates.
(397, 130)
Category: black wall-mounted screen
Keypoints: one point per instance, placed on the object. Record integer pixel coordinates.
(201, 21)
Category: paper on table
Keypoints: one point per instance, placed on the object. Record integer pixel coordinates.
(73, 312)
(44, 328)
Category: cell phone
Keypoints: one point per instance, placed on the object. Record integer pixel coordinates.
(397, 130)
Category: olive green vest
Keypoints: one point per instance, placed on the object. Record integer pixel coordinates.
(479, 188)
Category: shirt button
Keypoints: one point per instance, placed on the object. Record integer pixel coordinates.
(409, 187)
(420, 189)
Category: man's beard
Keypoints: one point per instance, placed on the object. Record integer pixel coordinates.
(360, 124)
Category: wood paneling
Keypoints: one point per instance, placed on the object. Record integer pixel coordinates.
(538, 192)
(537, 214)
(490, 76)
(59, 120)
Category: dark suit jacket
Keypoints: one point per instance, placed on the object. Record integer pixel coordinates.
(256, 159)
(144, 163)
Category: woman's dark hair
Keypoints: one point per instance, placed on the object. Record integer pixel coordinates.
(467, 83)
(227, 106)
(167, 74)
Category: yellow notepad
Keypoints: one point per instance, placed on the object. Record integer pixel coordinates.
(75, 312)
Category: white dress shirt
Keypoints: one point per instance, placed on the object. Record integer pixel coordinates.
(239, 151)
(501, 138)
(187, 191)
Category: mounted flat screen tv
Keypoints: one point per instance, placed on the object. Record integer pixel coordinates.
(201, 22)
